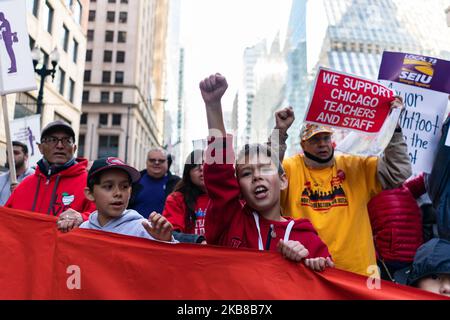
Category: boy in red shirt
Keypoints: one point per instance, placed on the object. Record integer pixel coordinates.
(255, 222)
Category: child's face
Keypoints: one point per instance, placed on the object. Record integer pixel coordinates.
(439, 283)
(260, 183)
(112, 194)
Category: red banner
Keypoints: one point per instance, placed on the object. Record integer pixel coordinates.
(38, 262)
(349, 102)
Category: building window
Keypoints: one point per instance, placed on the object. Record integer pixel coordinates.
(61, 81)
(111, 1)
(122, 36)
(87, 75)
(31, 43)
(123, 1)
(91, 15)
(77, 9)
(119, 77)
(65, 38)
(123, 17)
(118, 97)
(90, 35)
(108, 146)
(120, 56)
(106, 76)
(116, 119)
(33, 7)
(109, 36)
(71, 90)
(47, 20)
(74, 50)
(81, 143)
(107, 56)
(103, 119)
(83, 118)
(85, 97)
(110, 16)
(104, 97)
(89, 55)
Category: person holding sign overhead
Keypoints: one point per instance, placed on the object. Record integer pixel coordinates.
(332, 191)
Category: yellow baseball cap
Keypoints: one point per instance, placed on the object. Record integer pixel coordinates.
(309, 130)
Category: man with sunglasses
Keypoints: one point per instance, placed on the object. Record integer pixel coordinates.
(156, 183)
(57, 186)
(332, 191)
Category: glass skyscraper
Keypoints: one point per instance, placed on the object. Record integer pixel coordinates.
(351, 35)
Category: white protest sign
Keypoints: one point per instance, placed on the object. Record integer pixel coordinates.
(27, 130)
(16, 65)
(421, 122)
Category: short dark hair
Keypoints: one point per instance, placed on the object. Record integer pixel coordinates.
(21, 144)
(95, 178)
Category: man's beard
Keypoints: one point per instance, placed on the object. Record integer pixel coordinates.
(317, 159)
(19, 164)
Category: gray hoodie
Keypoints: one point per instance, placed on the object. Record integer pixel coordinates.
(129, 223)
(5, 184)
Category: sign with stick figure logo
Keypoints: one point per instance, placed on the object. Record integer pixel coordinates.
(16, 66)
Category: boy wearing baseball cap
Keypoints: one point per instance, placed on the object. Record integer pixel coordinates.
(109, 186)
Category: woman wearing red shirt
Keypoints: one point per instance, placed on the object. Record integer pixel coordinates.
(185, 208)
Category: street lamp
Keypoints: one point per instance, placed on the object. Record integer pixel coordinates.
(43, 71)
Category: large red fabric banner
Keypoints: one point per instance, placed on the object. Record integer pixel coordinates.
(348, 102)
(38, 262)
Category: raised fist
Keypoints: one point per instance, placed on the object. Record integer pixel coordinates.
(213, 88)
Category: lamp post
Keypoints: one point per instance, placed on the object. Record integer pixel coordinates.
(43, 72)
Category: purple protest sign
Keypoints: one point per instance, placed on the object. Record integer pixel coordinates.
(416, 70)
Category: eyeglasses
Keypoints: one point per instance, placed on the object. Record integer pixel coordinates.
(316, 139)
(154, 161)
(53, 141)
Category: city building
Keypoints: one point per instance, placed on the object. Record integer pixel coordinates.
(173, 132)
(124, 80)
(270, 77)
(56, 28)
(447, 11)
(297, 76)
(251, 56)
(358, 31)
(351, 35)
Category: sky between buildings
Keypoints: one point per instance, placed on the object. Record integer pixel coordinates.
(214, 34)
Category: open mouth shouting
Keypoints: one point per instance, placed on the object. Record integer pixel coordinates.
(261, 192)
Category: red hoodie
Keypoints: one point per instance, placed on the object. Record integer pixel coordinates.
(60, 192)
(231, 223)
(175, 211)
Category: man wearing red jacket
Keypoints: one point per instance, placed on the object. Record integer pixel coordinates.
(57, 187)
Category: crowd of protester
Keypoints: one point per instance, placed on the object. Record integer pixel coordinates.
(319, 208)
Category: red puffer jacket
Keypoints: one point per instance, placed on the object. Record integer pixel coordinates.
(396, 221)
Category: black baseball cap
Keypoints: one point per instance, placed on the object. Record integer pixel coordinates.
(58, 125)
(433, 257)
(103, 164)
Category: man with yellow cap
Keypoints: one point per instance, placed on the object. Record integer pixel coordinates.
(332, 191)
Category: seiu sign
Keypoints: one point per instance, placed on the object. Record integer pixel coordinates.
(415, 77)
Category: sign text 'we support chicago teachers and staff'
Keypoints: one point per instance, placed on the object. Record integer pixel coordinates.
(349, 102)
